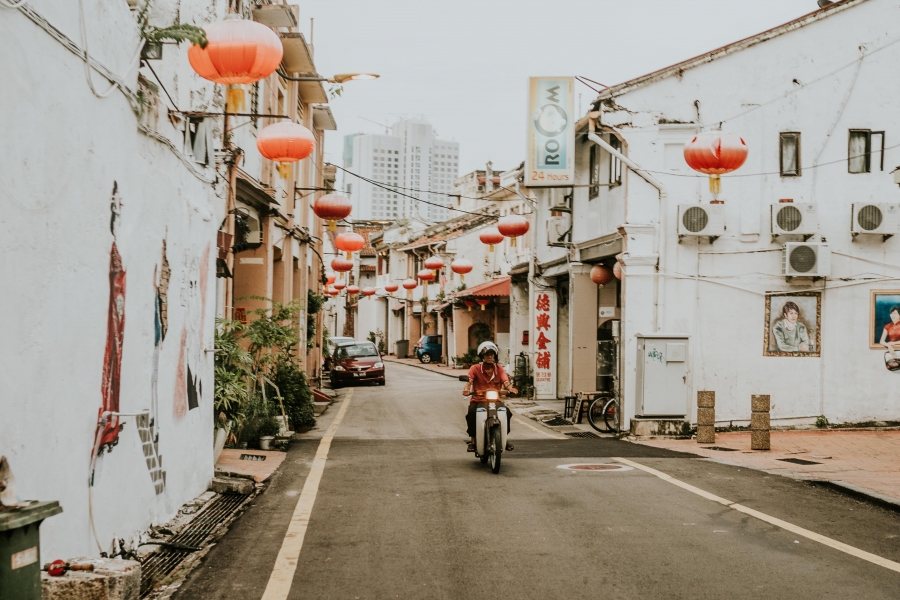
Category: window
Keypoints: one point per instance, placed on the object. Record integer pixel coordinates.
(789, 154)
(615, 165)
(594, 190)
(865, 151)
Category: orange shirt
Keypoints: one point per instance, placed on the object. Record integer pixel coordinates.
(482, 380)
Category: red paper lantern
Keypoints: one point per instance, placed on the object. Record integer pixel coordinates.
(435, 263)
(332, 291)
(410, 284)
(601, 275)
(352, 289)
(491, 236)
(483, 302)
(425, 275)
(332, 208)
(285, 142)
(617, 271)
(342, 265)
(512, 226)
(390, 288)
(330, 278)
(469, 304)
(238, 51)
(349, 242)
(461, 266)
(368, 291)
(715, 153)
(339, 285)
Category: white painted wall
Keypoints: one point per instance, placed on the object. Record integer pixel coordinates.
(64, 151)
(812, 80)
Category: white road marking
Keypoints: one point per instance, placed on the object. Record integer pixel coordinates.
(282, 576)
(548, 434)
(811, 535)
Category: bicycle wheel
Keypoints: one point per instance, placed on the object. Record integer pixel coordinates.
(595, 414)
(611, 415)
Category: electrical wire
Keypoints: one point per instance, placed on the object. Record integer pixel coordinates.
(87, 60)
(8, 4)
(377, 184)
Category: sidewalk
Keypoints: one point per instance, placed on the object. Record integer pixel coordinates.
(865, 462)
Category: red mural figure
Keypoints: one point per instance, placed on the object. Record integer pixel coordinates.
(107, 434)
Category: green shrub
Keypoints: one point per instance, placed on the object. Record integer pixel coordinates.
(296, 394)
(269, 427)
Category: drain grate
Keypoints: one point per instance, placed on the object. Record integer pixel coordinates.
(159, 565)
(557, 422)
(799, 461)
(719, 448)
(252, 457)
(583, 434)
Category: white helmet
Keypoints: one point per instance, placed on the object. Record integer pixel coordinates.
(488, 346)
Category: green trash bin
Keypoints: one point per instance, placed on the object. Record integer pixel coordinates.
(20, 550)
(402, 347)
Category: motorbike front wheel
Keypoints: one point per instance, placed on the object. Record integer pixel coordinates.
(496, 448)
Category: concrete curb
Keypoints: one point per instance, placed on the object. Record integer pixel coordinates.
(424, 368)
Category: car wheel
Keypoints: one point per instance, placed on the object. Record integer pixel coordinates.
(425, 358)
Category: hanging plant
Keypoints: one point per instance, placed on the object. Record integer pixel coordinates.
(180, 32)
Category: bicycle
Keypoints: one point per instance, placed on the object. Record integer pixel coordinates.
(604, 409)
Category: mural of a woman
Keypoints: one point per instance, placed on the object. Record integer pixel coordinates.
(790, 334)
(890, 335)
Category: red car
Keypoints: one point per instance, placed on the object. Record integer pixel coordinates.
(356, 362)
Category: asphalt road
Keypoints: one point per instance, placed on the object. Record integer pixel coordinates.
(404, 512)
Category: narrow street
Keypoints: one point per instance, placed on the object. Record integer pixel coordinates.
(403, 511)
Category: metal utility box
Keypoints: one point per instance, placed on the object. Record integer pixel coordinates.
(20, 550)
(662, 370)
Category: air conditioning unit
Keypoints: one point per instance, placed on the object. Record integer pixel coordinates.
(701, 220)
(802, 259)
(559, 230)
(794, 219)
(882, 219)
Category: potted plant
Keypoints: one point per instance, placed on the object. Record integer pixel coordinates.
(268, 429)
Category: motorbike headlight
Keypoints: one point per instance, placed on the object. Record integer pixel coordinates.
(378, 365)
(492, 395)
(339, 368)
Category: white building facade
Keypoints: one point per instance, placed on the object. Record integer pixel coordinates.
(707, 299)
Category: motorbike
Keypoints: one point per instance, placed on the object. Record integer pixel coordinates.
(490, 428)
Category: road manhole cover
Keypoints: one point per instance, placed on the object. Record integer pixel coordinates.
(595, 467)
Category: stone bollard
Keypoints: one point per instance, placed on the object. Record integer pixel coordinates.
(706, 417)
(759, 422)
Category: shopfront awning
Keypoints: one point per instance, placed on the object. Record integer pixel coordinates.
(489, 289)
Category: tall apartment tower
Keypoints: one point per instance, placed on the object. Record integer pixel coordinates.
(410, 161)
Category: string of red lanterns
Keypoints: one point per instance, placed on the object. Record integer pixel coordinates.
(368, 291)
(339, 285)
(601, 275)
(332, 208)
(349, 242)
(237, 51)
(391, 287)
(352, 290)
(285, 142)
(435, 263)
(491, 236)
(409, 285)
(512, 226)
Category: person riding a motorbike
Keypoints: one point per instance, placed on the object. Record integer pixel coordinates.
(484, 376)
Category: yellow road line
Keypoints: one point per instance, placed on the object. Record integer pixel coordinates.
(548, 434)
(286, 564)
(810, 535)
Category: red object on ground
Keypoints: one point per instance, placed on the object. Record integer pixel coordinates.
(434, 263)
(391, 287)
(352, 289)
(342, 265)
(715, 152)
(491, 236)
(57, 568)
(285, 142)
(238, 51)
(349, 242)
(601, 274)
(410, 284)
(512, 226)
(332, 208)
(425, 275)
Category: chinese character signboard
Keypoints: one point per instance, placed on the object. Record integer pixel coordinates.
(545, 338)
(550, 155)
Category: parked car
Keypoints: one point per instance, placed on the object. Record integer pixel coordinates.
(430, 348)
(332, 344)
(360, 361)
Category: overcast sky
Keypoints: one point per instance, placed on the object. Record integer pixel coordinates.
(464, 65)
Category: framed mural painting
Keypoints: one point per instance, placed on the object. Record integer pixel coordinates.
(793, 324)
(884, 319)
